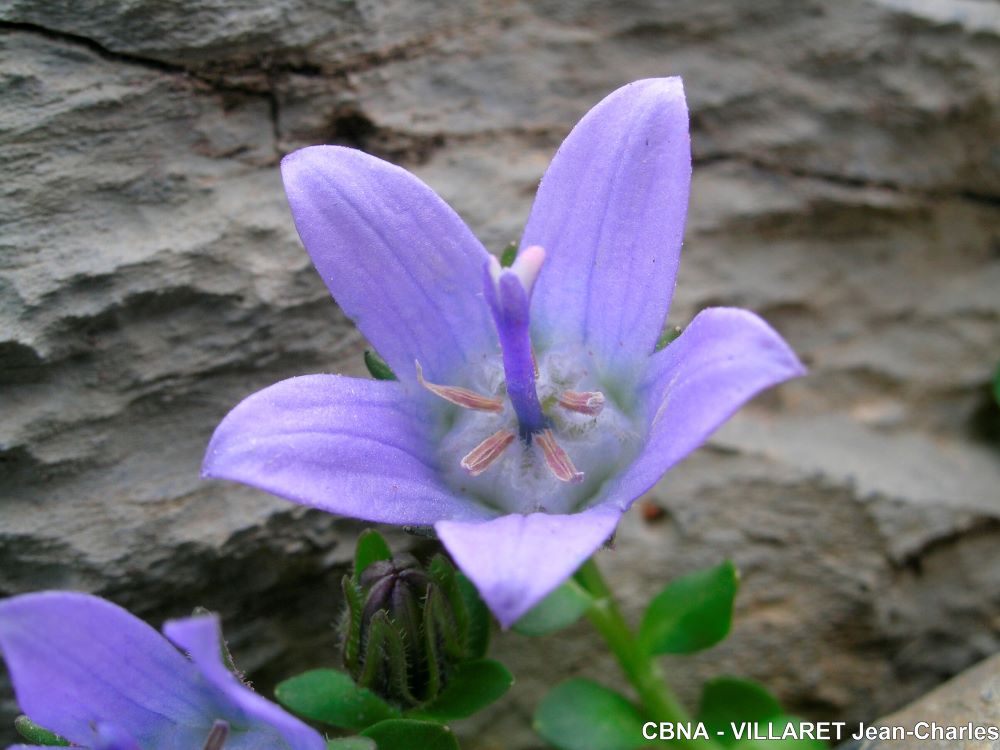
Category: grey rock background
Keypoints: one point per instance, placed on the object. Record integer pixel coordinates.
(847, 187)
(973, 697)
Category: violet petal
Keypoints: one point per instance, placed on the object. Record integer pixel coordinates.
(724, 358)
(515, 560)
(355, 447)
(200, 638)
(113, 737)
(610, 213)
(76, 660)
(397, 259)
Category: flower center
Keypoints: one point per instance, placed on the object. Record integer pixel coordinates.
(530, 421)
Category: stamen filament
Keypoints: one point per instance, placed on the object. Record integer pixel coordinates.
(558, 461)
(584, 402)
(480, 458)
(216, 739)
(460, 396)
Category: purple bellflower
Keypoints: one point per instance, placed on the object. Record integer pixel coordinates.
(531, 408)
(88, 670)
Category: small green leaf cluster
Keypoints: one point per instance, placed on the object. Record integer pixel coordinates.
(584, 715)
(691, 614)
(414, 641)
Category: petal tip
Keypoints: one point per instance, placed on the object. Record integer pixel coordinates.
(294, 159)
(303, 164)
(516, 560)
(188, 632)
(669, 85)
(668, 91)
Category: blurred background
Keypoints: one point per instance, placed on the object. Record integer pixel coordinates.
(846, 187)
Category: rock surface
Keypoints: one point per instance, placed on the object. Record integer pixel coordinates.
(936, 720)
(847, 187)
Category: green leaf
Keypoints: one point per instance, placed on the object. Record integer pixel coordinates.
(352, 743)
(692, 613)
(582, 715)
(407, 734)
(668, 335)
(726, 700)
(332, 697)
(37, 735)
(558, 610)
(480, 621)
(508, 255)
(790, 743)
(377, 366)
(473, 686)
(996, 385)
(371, 548)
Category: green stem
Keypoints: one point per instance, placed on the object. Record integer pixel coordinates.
(640, 668)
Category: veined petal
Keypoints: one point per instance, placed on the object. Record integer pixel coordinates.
(113, 737)
(200, 638)
(515, 560)
(358, 448)
(723, 359)
(397, 259)
(610, 214)
(77, 660)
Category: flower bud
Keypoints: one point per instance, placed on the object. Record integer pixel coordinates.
(405, 629)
